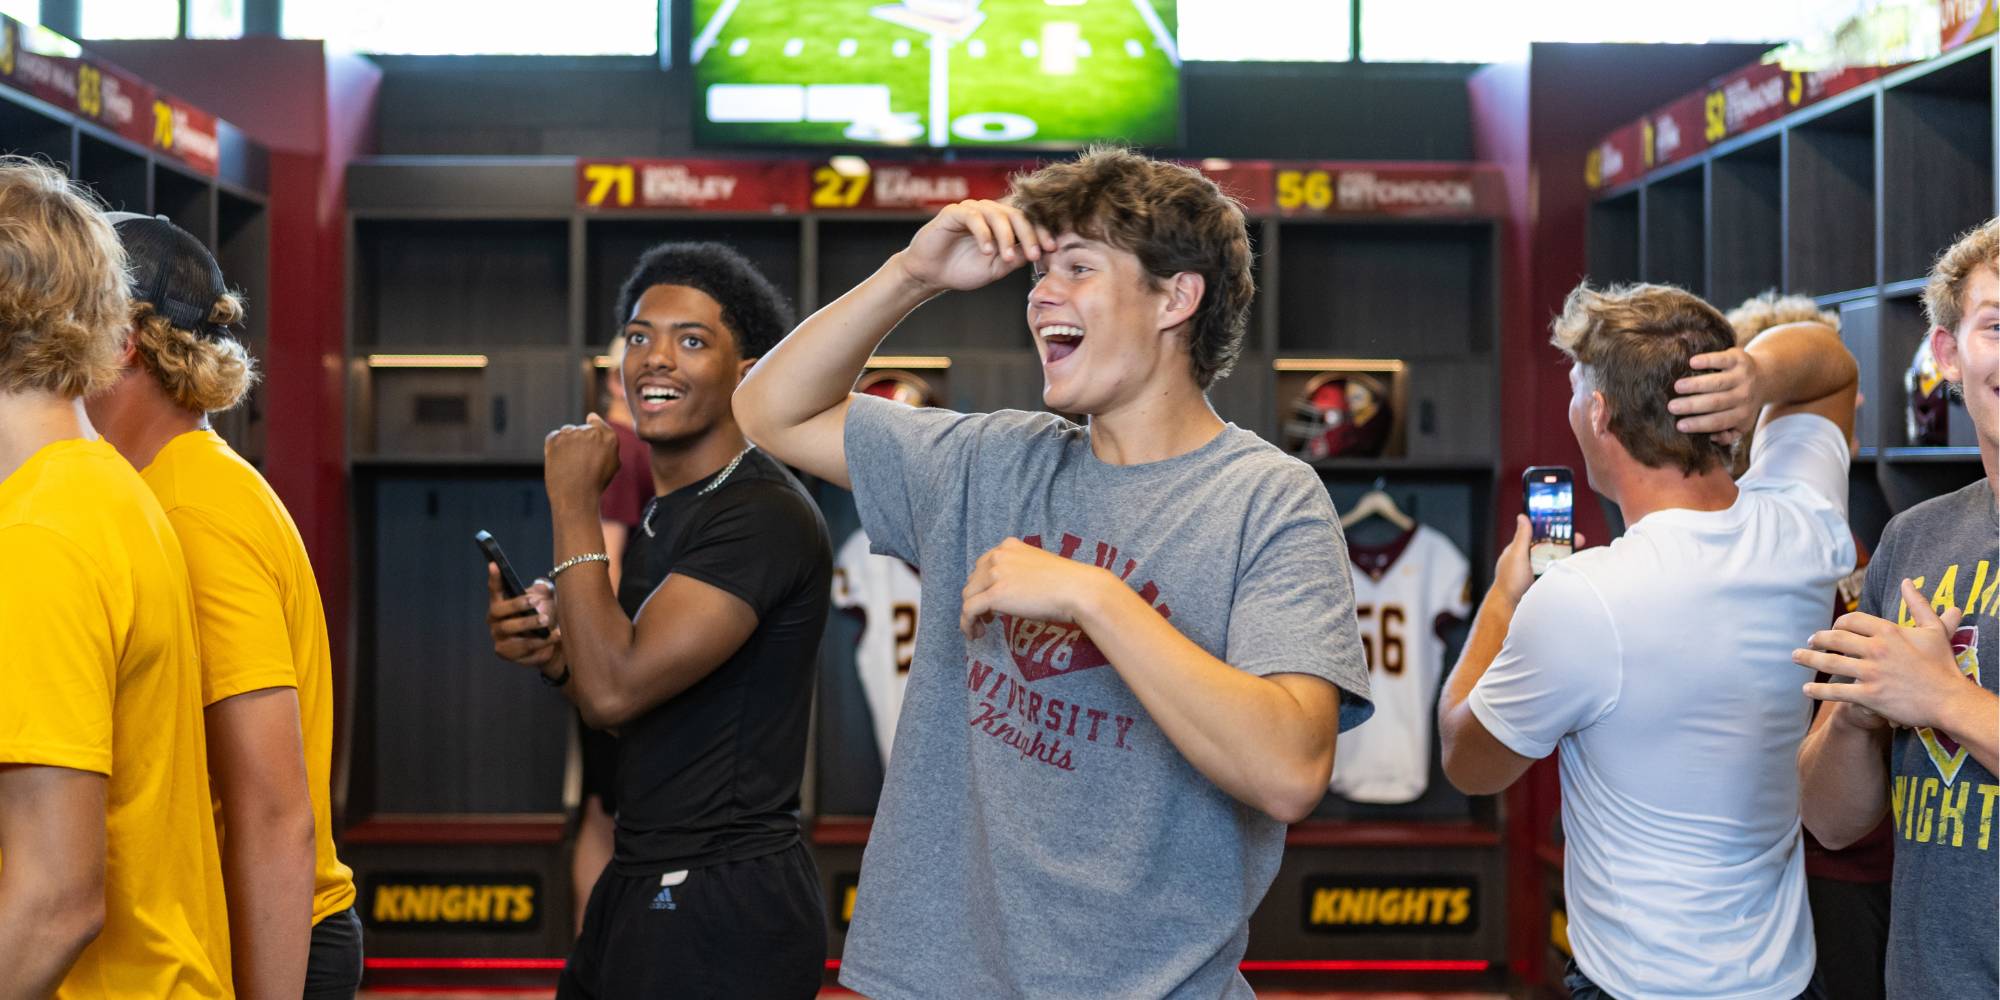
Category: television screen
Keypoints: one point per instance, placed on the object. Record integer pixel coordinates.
(1037, 74)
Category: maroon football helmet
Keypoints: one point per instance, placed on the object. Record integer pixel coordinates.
(1340, 415)
(896, 385)
(1929, 414)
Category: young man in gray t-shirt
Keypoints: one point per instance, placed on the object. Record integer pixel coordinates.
(1911, 725)
(1138, 638)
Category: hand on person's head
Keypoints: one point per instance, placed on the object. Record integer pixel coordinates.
(972, 244)
(1722, 397)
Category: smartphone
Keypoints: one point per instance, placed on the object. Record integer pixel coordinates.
(510, 583)
(1551, 514)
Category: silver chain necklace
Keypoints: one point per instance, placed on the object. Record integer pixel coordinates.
(646, 522)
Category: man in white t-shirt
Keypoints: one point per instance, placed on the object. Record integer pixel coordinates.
(1659, 666)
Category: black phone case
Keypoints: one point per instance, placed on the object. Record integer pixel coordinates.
(510, 582)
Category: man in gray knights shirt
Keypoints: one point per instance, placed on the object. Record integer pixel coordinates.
(1911, 725)
(1138, 639)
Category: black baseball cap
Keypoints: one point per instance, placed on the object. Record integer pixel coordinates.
(170, 270)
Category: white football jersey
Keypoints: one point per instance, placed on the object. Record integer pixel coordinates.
(885, 591)
(1403, 594)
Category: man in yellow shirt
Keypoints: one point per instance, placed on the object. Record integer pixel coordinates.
(110, 885)
(266, 673)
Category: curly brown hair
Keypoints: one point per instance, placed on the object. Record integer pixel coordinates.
(200, 374)
(1635, 342)
(1944, 293)
(63, 304)
(1770, 309)
(1169, 216)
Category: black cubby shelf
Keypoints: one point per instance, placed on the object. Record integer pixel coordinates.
(228, 211)
(1674, 235)
(1746, 229)
(1846, 202)
(1936, 146)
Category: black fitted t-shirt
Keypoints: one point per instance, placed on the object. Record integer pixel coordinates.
(712, 774)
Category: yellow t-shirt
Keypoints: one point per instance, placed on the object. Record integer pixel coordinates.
(98, 672)
(258, 613)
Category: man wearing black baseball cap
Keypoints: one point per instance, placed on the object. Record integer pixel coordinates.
(266, 671)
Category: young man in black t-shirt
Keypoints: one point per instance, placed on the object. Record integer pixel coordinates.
(703, 662)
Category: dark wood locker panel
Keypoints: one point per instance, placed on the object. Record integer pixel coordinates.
(1614, 240)
(27, 131)
(614, 247)
(1746, 224)
(1830, 218)
(1868, 510)
(1937, 161)
(1904, 328)
(1671, 217)
(985, 381)
(1449, 407)
(994, 317)
(453, 729)
(1386, 291)
(433, 412)
(460, 284)
(243, 248)
(187, 200)
(1244, 396)
(527, 396)
(1861, 331)
(120, 175)
(1907, 482)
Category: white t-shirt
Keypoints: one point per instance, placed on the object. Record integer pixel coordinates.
(886, 593)
(1660, 667)
(1403, 593)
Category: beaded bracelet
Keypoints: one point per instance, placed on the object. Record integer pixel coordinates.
(577, 560)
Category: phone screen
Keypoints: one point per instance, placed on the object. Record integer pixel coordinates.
(1551, 520)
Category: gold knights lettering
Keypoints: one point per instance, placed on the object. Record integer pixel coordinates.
(1335, 905)
(445, 903)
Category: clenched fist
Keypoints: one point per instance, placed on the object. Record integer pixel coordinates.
(578, 461)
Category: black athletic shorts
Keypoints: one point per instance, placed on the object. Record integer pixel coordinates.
(1851, 934)
(754, 928)
(333, 967)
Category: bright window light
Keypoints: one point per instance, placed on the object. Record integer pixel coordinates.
(25, 11)
(487, 27)
(1480, 31)
(215, 18)
(1265, 30)
(131, 19)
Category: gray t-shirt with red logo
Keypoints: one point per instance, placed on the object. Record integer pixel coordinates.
(1038, 835)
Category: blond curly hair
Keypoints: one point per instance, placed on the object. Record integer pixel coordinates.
(1770, 309)
(63, 302)
(200, 374)
(1944, 293)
